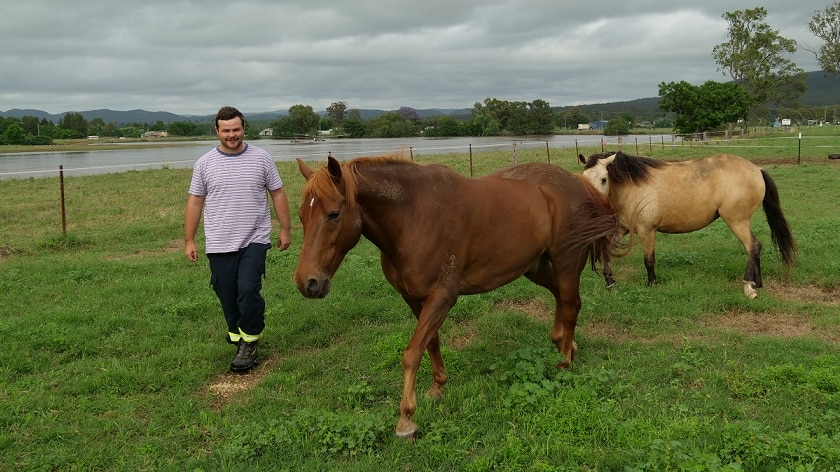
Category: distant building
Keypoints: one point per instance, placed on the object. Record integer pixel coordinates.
(267, 132)
(155, 134)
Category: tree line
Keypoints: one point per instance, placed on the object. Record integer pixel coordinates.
(764, 85)
(29, 130)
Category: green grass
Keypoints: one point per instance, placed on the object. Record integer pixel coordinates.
(114, 358)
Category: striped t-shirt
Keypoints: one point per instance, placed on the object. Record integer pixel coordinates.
(236, 211)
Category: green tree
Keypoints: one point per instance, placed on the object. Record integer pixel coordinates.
(754, 57)
(573, 117)
(96, 126)
(541, 117)
(14, 134)
(704, 108)
(619, 126)
(354, 128)
(30, 125)
(825, 24)
(283, 128)
(337, 112)
(75, 125)
(303, 119)
(185, 128)
(390, 125)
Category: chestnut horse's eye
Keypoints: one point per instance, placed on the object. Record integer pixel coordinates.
(604, 181)
(333, 215)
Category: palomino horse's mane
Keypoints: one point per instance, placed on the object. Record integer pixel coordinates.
(627, 168)
(322, 186)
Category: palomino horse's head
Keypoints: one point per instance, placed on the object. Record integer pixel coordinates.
(332, 225)
(595, 170)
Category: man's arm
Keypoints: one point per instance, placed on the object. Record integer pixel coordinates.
(281, 208)
(192, 215)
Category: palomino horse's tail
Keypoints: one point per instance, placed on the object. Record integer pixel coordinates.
(779, 228)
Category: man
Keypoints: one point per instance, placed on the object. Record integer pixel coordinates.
(229, 184)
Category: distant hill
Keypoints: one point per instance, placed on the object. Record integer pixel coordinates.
(823, 90)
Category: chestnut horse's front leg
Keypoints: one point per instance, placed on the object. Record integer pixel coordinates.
(429, 320)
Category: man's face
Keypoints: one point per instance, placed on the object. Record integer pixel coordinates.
(230, 133)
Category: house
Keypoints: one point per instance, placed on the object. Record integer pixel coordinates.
(155, 134)
(267, 132)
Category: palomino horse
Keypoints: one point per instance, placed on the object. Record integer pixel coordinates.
(442, 235)
(651, 195)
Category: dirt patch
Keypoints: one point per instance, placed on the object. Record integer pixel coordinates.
(229, 386)
(534, 308)
(776, 325)
(808, 293)
(6, 251)
(174, 245)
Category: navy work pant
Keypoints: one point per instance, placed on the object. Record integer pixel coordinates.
(236, 277)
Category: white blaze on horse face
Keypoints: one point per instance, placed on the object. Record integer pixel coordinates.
(597, 175)
(311, 202)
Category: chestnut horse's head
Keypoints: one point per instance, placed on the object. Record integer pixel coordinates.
(332, 225)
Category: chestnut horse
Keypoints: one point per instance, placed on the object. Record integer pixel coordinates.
(442, 235)
(652, 195)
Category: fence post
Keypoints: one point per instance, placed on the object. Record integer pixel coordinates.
(471, 161)
(547, 152)
(63, 208)
(799, 151)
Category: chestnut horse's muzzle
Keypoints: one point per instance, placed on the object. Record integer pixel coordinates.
(314, 288)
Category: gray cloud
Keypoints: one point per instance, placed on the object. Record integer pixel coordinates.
(191, 57)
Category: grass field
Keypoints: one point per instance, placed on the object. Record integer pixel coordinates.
(114, 359)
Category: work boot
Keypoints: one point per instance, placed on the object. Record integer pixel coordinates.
(246, 357)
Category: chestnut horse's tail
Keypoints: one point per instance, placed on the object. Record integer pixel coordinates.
(779, 229)
(598, 228)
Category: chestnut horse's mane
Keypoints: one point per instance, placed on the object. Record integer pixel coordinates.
(322, 186)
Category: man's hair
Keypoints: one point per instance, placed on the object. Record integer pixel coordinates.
(229, 113)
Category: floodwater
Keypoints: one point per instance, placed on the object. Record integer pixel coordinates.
(184, 155)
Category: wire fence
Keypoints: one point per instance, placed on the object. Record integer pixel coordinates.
(56, 205)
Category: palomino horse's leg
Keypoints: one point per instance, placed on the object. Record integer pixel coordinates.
(752, 273)
(648, 239)
(425, 337)
(609, 280)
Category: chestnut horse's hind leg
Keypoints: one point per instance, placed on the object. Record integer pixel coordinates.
(566, 291)
(565, 319)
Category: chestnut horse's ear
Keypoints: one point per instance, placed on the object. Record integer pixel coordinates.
(305, 171)
(581, 159)
(334, 168)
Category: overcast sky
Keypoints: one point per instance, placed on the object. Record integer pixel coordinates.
(191, 57)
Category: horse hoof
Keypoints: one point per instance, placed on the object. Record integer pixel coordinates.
(409, 436)
(749, 290)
